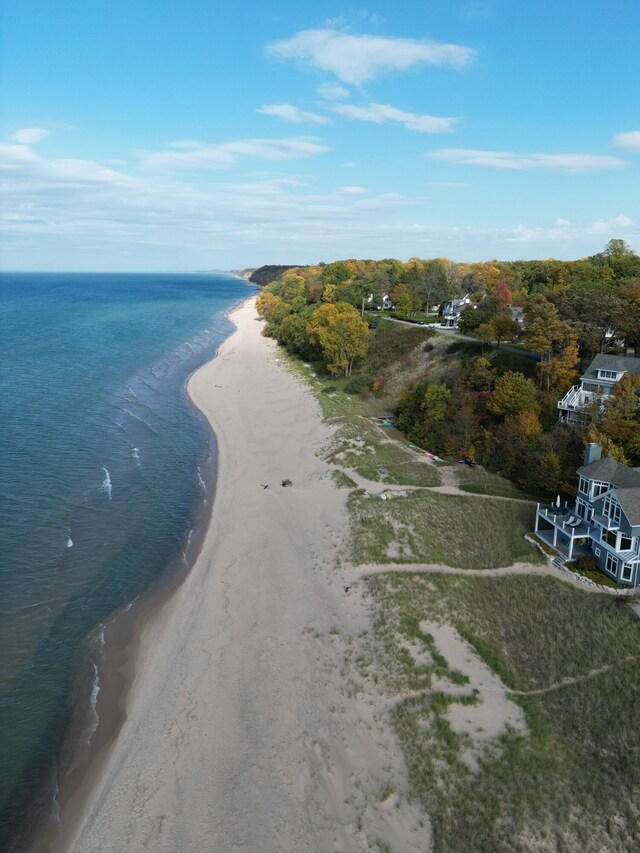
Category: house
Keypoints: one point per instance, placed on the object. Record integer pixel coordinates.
(386, 305)
(597, 383)
(452, 309)
(604, 521)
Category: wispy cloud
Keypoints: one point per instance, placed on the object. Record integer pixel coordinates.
(509, 160)
(293, 115)
(379, 113)
(355, 59)
(332, 91)
(195, 155)
(629, 141)
(30, 135)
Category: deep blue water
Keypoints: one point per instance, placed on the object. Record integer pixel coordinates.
(103, 464)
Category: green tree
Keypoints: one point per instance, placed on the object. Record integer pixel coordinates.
(341, 334)
(513, 395)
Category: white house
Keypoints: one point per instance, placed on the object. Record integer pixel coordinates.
(596, 384)
(452, 309)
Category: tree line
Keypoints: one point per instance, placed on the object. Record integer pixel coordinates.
(496, 411)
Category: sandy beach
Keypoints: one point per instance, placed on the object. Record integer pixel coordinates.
(239, 734)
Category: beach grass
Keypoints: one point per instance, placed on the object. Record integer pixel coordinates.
(572, 780)
(454, 530)
(379, 454)
(479, 481)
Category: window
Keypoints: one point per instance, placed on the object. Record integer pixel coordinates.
(597, 551)
(583, 486)
(609, 537)
(625, 542)
(627, 570)
(600, 488)
(612, 564)
(607, 374)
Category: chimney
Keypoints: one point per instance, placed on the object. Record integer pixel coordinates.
(592, 453)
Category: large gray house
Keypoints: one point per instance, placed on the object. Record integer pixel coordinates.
(605, 519)
(579, 404)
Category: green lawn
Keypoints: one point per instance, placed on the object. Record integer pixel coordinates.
(572, 781)
(427, 527)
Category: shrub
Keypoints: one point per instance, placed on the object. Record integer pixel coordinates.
(585, 562)
(359, 384)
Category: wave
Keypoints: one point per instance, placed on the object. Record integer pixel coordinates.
(105, 487)
(135, 455)
(69, 540)
(201, 483)
(141, 420)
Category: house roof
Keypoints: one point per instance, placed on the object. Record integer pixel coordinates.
(617, 363)
(629, 500)
(609, 471)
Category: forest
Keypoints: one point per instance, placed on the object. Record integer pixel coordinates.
(475, 399)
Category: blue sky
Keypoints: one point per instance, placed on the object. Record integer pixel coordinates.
(156, 134)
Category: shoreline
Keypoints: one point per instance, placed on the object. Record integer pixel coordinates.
(239, 731)
(114, 659)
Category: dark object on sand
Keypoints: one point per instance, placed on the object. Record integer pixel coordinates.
(468, 461)
(263, 485)
(287, 483)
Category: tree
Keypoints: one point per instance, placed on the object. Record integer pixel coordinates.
(617, 248)
(342, 335)
(434, 408)
(629, 319)
(622, 411)
(265, 303)
(513, 395)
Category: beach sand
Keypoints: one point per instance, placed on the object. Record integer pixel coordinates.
(239, 732)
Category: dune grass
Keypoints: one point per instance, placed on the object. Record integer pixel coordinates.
(479, 481)
(362, 445)
(428, 527)
(572, 782)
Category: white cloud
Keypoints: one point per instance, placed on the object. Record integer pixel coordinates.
(509, 160)
(563, 222)
(352, 190)
(332, 91)
(379, 113)
(629, 141)
(292, 114)
(29, 135)
(355, 59)
(225, 154)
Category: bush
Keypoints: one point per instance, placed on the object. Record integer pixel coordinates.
(585, 563)
(359, 384)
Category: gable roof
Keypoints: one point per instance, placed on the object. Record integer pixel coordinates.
(609, 471)
(629, 500)
(616, 363)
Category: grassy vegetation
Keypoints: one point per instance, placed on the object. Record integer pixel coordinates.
(596, 576)
(342, 480)
(427, 527)
(479, 481)
(365, 447)
(572, 782)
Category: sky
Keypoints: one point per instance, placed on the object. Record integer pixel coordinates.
(152, 135)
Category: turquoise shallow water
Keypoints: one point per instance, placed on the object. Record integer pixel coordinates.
(103, 466)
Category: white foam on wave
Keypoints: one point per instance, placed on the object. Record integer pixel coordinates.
(105, 487)
(135, 455)
(201, 483)
(69, 539)
(95, 687)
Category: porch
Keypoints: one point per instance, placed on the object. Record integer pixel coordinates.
(560, 528)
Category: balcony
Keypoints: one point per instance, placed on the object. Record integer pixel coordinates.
(566, 528)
